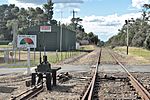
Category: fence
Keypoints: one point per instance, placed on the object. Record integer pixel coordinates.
(19, 57)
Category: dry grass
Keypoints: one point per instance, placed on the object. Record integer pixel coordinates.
(137, 55)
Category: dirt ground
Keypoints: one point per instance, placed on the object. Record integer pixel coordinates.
(71, 89)
(13, 84)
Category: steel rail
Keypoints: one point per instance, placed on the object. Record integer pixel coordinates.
(33, 93)
(27, 95)
(88, 94)
(145, 95)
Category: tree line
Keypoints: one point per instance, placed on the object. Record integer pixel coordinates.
(9, 14)
(139, 32)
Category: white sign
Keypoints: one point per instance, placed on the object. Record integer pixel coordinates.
(29, 41)
(45, 28)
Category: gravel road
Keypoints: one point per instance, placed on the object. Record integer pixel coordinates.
(12, 80)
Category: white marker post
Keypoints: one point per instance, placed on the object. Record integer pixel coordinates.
(28, 60)
(27, 41)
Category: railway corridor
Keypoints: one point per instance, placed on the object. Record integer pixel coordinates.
(112, 86)
(114, 81)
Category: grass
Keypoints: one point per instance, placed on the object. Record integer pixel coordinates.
(53, 57)
(87, 47)
(5, 46)
(23, 66)
(140, 52)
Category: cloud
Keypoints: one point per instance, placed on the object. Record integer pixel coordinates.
(105, 21)
(34, 3)
(68, 1)
(26, 3)
(139, 3)
(60, 6)
(103, 26)
(106, 26)
(37, 2)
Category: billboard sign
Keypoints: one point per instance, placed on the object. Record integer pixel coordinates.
(45, 28)
(26, 41)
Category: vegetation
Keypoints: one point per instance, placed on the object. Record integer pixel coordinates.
(139, 52)
(139, 33)
(10, 14)
(87, 47)
(53, 57)
(81, 34)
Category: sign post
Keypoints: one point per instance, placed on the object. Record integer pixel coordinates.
(45, 29)
(28, 60)
(27, 41)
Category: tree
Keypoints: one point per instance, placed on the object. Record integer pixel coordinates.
(15, 12)
(39, 10)
(23, 12)
(91, 34)
(11, 6)
(147, 42)
(93, 38)
(138, 32)
(49, 10)
(2, 10)
(23, 18)
(31, 13)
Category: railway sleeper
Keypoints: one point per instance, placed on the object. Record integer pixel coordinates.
(116, 79)
(96, 89)
(118, 99)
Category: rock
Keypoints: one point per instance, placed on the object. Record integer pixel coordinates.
(63, 77)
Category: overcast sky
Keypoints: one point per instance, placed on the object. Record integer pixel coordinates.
(103, 17)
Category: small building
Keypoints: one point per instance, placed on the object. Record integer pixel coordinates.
(52, 40)
(84, 42)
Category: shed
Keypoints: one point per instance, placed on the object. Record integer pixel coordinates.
(52, 40)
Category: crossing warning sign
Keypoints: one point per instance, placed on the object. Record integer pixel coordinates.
(45, 28)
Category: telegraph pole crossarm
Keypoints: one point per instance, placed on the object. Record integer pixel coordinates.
(127, 23)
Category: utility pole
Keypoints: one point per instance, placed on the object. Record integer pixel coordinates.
(73, 18)
(127, 38)
(127, 23)
(61, 31)
(15, 27)
(73, 13)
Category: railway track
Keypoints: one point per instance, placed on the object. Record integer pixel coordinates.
(129, 86)
(89, 91)
(29, 94)
(145, 95)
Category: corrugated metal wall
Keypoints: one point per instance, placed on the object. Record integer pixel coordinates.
(51, 40)
(69, 39)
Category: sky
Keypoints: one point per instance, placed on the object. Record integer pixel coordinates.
(102, 17)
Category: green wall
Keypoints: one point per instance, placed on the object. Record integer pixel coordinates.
(51, 40)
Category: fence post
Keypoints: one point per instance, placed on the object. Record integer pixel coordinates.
(28, 60)
(57, 57)
(6, 56)
(34, 56)
(19, 54)
(15, 55)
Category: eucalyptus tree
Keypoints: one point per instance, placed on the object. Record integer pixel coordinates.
(49, 10)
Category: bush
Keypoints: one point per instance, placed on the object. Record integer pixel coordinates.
(112, 47)
(4, 42)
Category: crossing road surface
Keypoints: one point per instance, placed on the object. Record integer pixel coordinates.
(131, 68)
(81, 68)
(64, 68)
